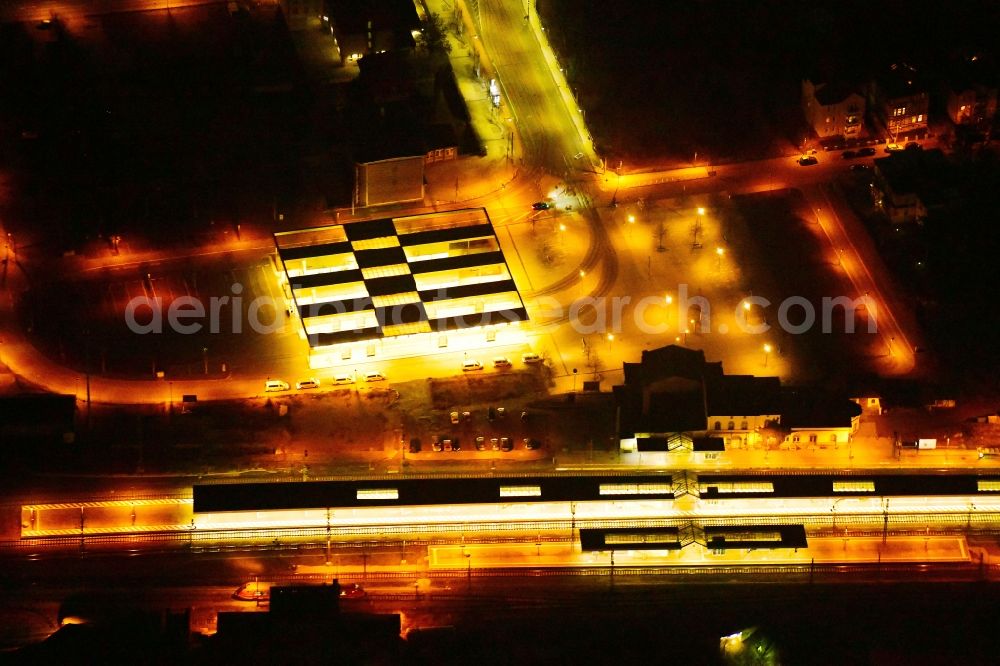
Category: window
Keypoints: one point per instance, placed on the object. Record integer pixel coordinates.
(732, 426)
(738, 486)
(520, 491)
(442, 341)
(491, 335)
(795, 438)
(812, 439)
(345, 354)
(743, 425)
(369, 350)
(833, 438)
(853, 486)
(718, 425)
(920, 118)
(635, 489)
(378, 493)
(988, 485)
(898, 112)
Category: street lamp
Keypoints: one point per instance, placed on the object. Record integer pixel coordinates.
(767, 352)
(669, 299)
(631, 219)
(611, 338)
(718, 254)
(701, 211)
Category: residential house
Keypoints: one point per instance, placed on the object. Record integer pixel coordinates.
(833, 109)
(899, 101)
(363, 27)
(673, 400)
(972, 94)
(910, 183)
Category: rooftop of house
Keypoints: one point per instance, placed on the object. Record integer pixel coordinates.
(972, 72)
(927, 173)
(354, 16)
(834, 92)
(900, 80)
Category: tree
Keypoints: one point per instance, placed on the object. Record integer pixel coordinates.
(434, 33)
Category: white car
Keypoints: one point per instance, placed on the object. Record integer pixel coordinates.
(531, 357)
(273, 385)
(501, 362)
(307, 384)
(471, 365)
(374, 377)
(343, 379)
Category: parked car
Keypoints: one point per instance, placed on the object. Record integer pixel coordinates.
(531, 357)
(343, 379)
(541, 205)
(524, 416)
(374, 377)
(307, 384)
(505, 444)
(471, 365)
(913, 145)
(480, 443)
(501, 412)
(848, 154)
(893, 147)
(454, 418)
(436, 444)
(494, 443)
(807, 160)
(501, 362)
(272, 385)
(866, 152)
(415, 445)
(448, 445)
(531, 444)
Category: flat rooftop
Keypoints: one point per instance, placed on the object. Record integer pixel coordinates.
(399, 276)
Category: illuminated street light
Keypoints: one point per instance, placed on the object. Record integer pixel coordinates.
(631, 219)
(767, 352)
(611, 338)
(718, 257)
(669, 299)
(701, 211)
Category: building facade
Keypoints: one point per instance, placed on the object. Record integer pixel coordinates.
(901, 102)
(673, 400)
(833, 110)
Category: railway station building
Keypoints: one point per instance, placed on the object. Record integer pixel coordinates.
(674, 400)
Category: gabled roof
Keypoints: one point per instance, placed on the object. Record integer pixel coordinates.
(828, 94)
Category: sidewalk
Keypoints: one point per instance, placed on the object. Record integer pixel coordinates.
(469, 178)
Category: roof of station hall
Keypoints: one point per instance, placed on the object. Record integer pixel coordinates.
(387, 268)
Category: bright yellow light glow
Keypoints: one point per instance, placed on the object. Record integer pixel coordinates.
(583, 273)
(562, 227)
(520, 491)
(631, 219)
(719, 251)
(701, 211)
(746, 305)
(767, 348)
(378, 493)
(611, 337)
(669, 299)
